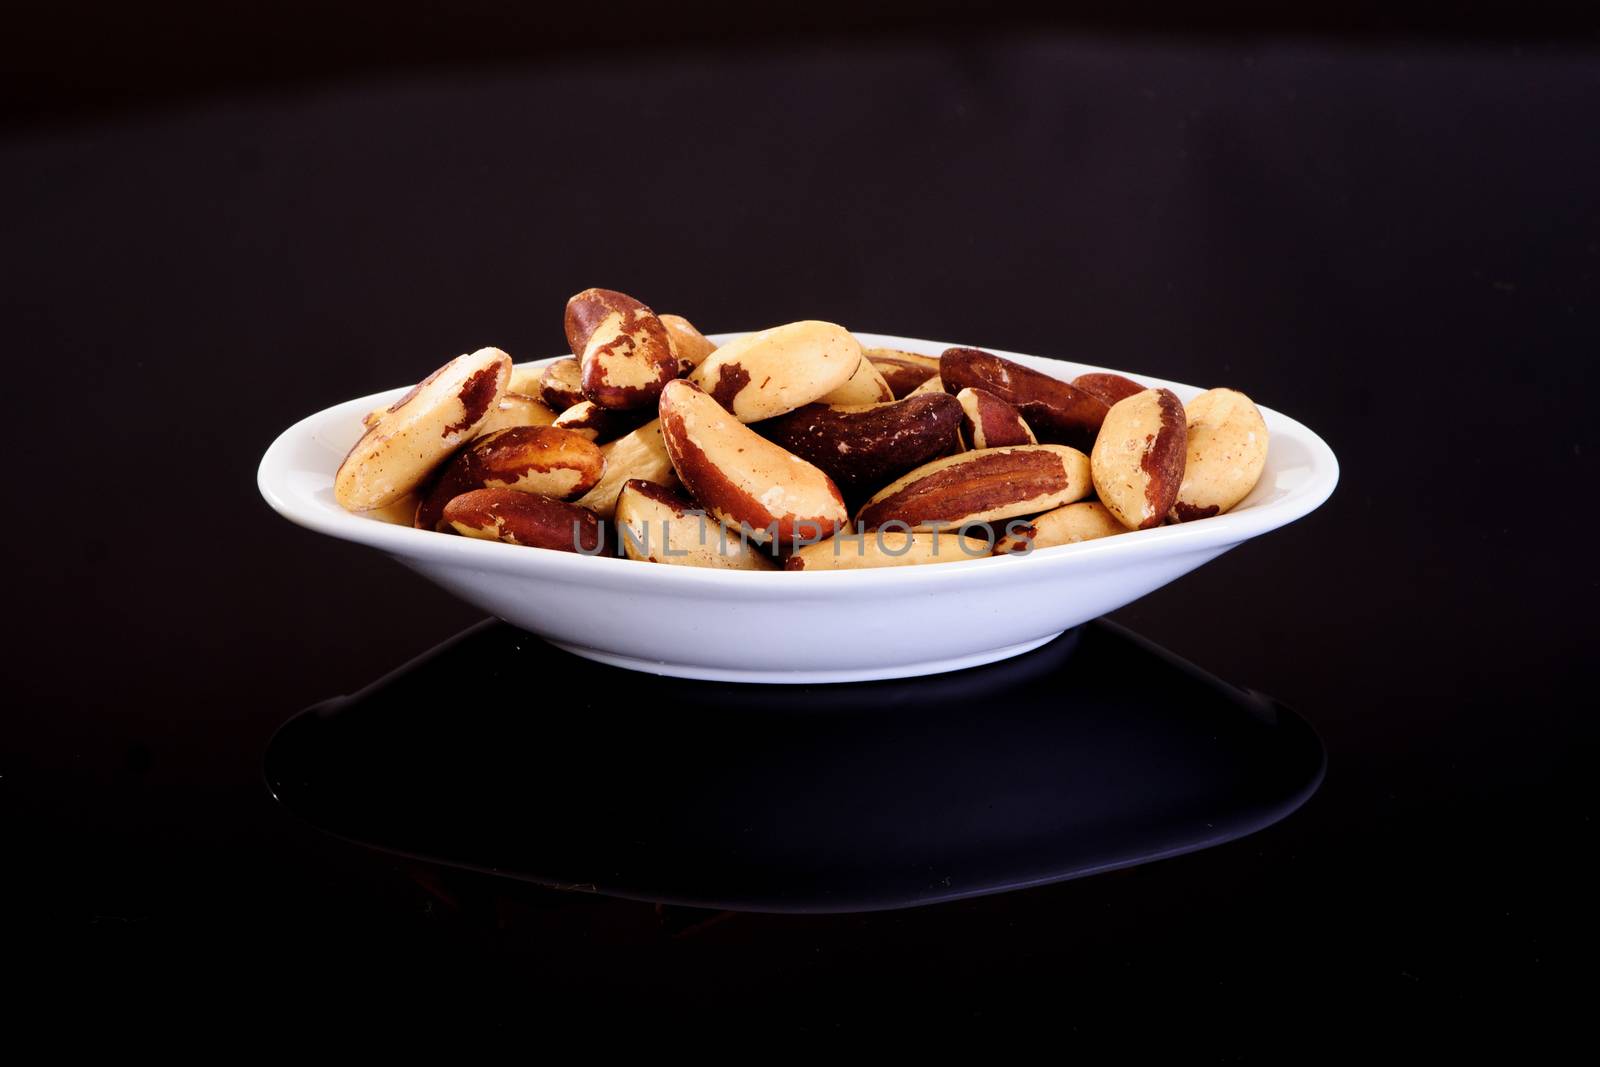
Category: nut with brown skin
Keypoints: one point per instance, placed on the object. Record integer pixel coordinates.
(623, 348)
(523, 519)
(1107, 388)
(689, 345)
(995, 483)
(989, 422)
(865, 386)
(530, 459)
(742, 479)
(763, 375)
(420, 430)
(600, 424)
(1226, 454)
(660, 525)
(1138, 459)
(641, 454)
(517, 409)
(561, 384)
(932, 385)
(903, 371)
(885, 548)
(1056, 412)
(1068, 525)
(863, 448)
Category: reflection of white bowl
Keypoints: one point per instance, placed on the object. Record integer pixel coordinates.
(806, 626)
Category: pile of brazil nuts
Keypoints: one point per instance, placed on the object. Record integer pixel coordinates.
(794, 447)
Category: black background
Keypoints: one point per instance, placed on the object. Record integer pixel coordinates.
(214, 226)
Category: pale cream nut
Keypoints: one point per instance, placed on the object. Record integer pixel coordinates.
(1084, 521)
(1226, 454)
(865, 386)
(763, 375)
(689, 345)
(641, 454)
(517, 409)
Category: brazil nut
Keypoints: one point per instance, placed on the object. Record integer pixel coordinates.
(763, 375)
(1138, 459)
(863, 448)
(865, 386)
(599, 424)
(989, 422)
(689, 345)
(524, 519)
(981, 486)
(641, 454)
(561, 384)
(1227, 451)
(1083, 521)
(1107, 388)
(742, 479)
(420, 430)
(656, 524)
(530, 459)
(517, 409)
(622, 348)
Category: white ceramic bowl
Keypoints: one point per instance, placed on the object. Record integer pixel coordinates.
(808, 626)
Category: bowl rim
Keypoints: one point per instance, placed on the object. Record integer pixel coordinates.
(299, 506)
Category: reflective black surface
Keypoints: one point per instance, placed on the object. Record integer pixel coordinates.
(1093, 752)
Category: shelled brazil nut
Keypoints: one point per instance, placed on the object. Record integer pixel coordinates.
(1226, 452)
(657, 524)
(689, 345)
(531, 459)
(421, 430)
(561, 384)
(989, 422)
(1138, 457)
(622, 347)
(981, 486)
(741, 478)
(766, 374)
(1084, 521)
(523, 519)
(862, 448)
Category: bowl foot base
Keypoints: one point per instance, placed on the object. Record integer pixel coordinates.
(804, 677)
